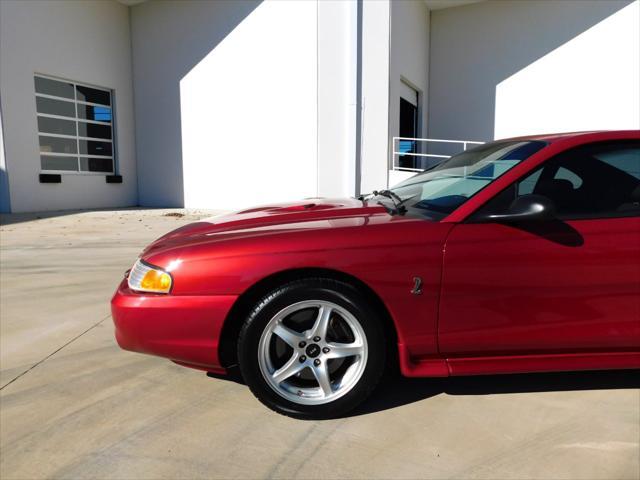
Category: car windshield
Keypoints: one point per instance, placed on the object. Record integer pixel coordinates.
(439, 191)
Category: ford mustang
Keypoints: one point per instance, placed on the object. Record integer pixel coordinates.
(520, 255)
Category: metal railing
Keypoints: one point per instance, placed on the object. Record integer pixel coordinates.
(411, 147)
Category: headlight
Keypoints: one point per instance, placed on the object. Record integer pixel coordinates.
(145, 278)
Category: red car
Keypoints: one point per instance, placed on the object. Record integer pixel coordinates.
(521, 255)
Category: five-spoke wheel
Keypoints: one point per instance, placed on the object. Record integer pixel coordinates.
(313, 348)
(332, 353)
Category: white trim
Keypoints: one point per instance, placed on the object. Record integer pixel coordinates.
(71, 100)
(438, 140)
(73, 137)
(53, 154)
(54, 97)
(73, 119)
(395, 155)
(82, 102)
(75, 172)
(73, 82)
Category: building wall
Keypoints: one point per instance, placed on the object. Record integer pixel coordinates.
(375, 95)
(337, 97)
(226, 102)
(83, 41)
(5, 200)
(409, 62)
(504, 68)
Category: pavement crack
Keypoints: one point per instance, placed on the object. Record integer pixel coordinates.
(54, 352)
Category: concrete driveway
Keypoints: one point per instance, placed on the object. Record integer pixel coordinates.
(73, 405)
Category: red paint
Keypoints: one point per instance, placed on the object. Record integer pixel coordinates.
(181, 327)
(499, 299)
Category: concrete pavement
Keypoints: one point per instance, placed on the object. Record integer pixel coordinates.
(73, 405)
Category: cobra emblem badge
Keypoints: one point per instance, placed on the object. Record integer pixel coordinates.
(417, 286)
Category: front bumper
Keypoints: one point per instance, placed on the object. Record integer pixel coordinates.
(185, 329)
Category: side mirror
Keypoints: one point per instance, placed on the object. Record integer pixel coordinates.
(525, 208)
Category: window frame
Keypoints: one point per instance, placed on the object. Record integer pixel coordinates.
(76, 119)
(513, 186)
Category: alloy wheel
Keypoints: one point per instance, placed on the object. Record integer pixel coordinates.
(312, 352)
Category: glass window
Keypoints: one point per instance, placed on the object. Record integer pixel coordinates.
(86, 129)
(527, 185)
(439, 191)
(408, 129)
(599, 180)
(55, 107)
(92, 112)
(92, 95)
(57, 145)
(91, 147)
(572, 178)
(54, 163)
(56, 88)
(96, 164)
(625, 159)
(94, 130)
(56, 125)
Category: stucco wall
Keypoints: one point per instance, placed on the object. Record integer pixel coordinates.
(375, 95)
(503, 68)
(226, 102)
(83, 41)
(337, 102)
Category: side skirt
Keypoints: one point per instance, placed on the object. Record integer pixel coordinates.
(444, 367)
(544, 363)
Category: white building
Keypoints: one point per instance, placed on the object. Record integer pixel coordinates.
(226, 104)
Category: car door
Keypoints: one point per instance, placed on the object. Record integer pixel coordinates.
(570, 285)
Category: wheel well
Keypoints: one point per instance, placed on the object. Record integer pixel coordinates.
(227, 347)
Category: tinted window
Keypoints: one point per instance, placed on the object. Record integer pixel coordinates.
(96, 164)
(593, 181)
(57, 145)
(56, 88)
(90, 147)
(52, 162)
(56, 125)
(94, 130)
(92, 95)
(91, 112)
(55, 107)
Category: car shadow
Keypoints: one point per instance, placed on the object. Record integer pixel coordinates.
(395, 390)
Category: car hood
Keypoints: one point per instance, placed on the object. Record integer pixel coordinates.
(303, 218)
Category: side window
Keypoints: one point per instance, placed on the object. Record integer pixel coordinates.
(526, 186)
(599, 180)
(564, 174)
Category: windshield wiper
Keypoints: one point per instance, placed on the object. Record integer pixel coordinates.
(400, 209)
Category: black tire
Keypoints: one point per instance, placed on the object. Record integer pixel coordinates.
(334, 291)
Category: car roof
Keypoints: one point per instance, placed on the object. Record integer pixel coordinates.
(587, 136)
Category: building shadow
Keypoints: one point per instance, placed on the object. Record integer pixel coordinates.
(5, 200)
(168, 40)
